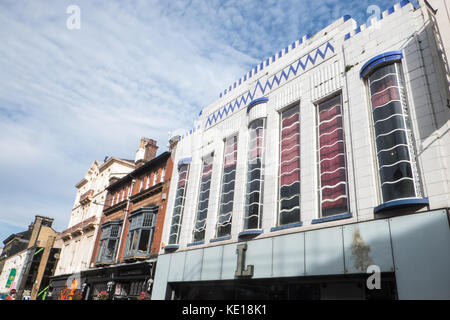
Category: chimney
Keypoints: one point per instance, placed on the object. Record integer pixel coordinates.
(173, 142)
(150, 150)
(140, 153)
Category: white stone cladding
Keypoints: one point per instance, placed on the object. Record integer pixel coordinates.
(403, 28)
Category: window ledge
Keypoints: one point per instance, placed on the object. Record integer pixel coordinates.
(196, 243)
(171, 247)
(253, 232)
(401, 203)
(332, 218)
(220, 239)
(287, 226)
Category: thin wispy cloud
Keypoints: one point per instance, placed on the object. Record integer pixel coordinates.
(141, 68)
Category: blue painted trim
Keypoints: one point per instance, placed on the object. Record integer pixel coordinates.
(347, 17)
(256, 102)
(185, 161)
(293, 45)
(220, 95)
(300, 41)
(308, 35)
(267, 62)
(287, 226)
(250, 232)
(234, 85)
(358, 30)
(280, 54)
(261, 66)
(220, 239)
(286, 50)
(347, 36)
(197, 243)
(171, 247)
(391, 10)
(403, 3)
(378, 60)
(401, 203)
(332, 218)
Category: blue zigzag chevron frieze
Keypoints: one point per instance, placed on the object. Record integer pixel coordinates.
(288, 72)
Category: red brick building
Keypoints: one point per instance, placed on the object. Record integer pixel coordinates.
(127, 244)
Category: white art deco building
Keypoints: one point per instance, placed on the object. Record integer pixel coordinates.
(326, 162)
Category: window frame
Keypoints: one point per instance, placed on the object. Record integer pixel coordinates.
(408, 130)
(262, 175)
(136, 228)
(344, 153)
(182, 205)
(219, 214)
(105, 238)
(196, 216)
(280, 115)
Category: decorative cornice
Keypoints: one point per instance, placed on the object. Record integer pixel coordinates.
(287, 73)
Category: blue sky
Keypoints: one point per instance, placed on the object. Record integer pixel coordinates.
(135, 68)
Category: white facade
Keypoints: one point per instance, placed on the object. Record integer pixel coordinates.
(79, 237)
(406, 29)
(307, 74)
(14, 262)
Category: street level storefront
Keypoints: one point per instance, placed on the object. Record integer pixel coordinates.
(128, 281)
(331, 263)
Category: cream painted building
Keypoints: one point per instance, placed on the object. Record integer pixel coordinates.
(78, 239)
(327, 160)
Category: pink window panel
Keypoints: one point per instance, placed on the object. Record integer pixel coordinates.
(332, 164)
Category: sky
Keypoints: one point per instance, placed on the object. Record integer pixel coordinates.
(133, 68)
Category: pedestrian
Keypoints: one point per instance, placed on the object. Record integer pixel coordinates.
(12, 295)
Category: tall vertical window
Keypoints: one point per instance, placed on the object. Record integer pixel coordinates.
(227, 188)
(255, 176)
(140, 234)
(289, 168)
(332, 163)
(108, 241)
(155, 177)
(141, 184)
(148, 182)
(203, 199)
(398, 176)
(163, 172)
(178, 209)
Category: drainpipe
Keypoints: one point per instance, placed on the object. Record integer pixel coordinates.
(124, 220)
